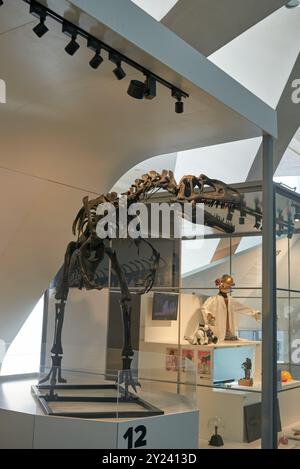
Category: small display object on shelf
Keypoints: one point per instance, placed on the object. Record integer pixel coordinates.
(203, 335)
(165, 306)
(294, 433)
(247, 380)
(187, 355)
(214, 424)
(220, 364)
(286, 376)
(204, 363)
(219, 311)
(172, 359)
(283, 440)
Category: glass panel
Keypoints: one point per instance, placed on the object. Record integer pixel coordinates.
(288, 319)
(203, 260)
(247, 261)
(168, 320)
(137, 261)
(282, 262)
(84, 333)
(246, 220)
(159, 332)
(229, 394)
(295, 336)
(294, 261)
(283, 319)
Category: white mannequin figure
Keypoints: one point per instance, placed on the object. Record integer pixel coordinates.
(219, 311)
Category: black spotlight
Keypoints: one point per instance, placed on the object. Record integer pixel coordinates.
(136, 89)
(179, 107)
(1, 3)
(119, 72)
(40, 29)
(179, 104)
(97, 60)
(72, 47)
(257, 224)
(39, 12)
(150, 84)
(72, 32)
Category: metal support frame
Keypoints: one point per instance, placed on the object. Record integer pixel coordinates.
(144, 408)
(269, 314)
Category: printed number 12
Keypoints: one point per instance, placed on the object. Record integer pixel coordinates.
(140, 440)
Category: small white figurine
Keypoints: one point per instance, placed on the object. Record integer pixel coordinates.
(203, 335)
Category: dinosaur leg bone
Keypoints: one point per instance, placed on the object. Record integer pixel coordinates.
(61, 296)
(54, 374)
(125, 377)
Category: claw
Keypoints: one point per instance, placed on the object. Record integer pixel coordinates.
(62, 380)
(127, 380)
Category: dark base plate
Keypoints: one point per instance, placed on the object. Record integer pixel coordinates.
(147, 410)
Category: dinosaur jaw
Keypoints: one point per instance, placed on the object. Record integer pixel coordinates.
(209, 218)
(215, 221)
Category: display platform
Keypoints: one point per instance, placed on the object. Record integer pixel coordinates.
(287, 431)
(230, 401)
(24, 425)
(222, 362)
(92, 401)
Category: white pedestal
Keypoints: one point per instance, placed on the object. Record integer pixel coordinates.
(229, 405)
(23, 425)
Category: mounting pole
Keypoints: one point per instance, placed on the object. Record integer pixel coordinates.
(269, 313)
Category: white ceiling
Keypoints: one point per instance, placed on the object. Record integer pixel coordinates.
(208, 25)
(262, 58)
(66, 122)
(157, 163)
(156, 8)
(290, 163)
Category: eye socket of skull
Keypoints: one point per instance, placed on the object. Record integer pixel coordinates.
(200, 184)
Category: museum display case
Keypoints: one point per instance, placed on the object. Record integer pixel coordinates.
(222, 386)
(88, 410)
(220, 378)
(101, 394)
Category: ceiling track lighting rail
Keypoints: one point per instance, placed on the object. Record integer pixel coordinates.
(137, 89)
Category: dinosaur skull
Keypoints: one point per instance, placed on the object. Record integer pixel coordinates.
(209, 191)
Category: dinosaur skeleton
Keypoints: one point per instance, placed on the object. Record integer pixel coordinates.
(83, 256)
